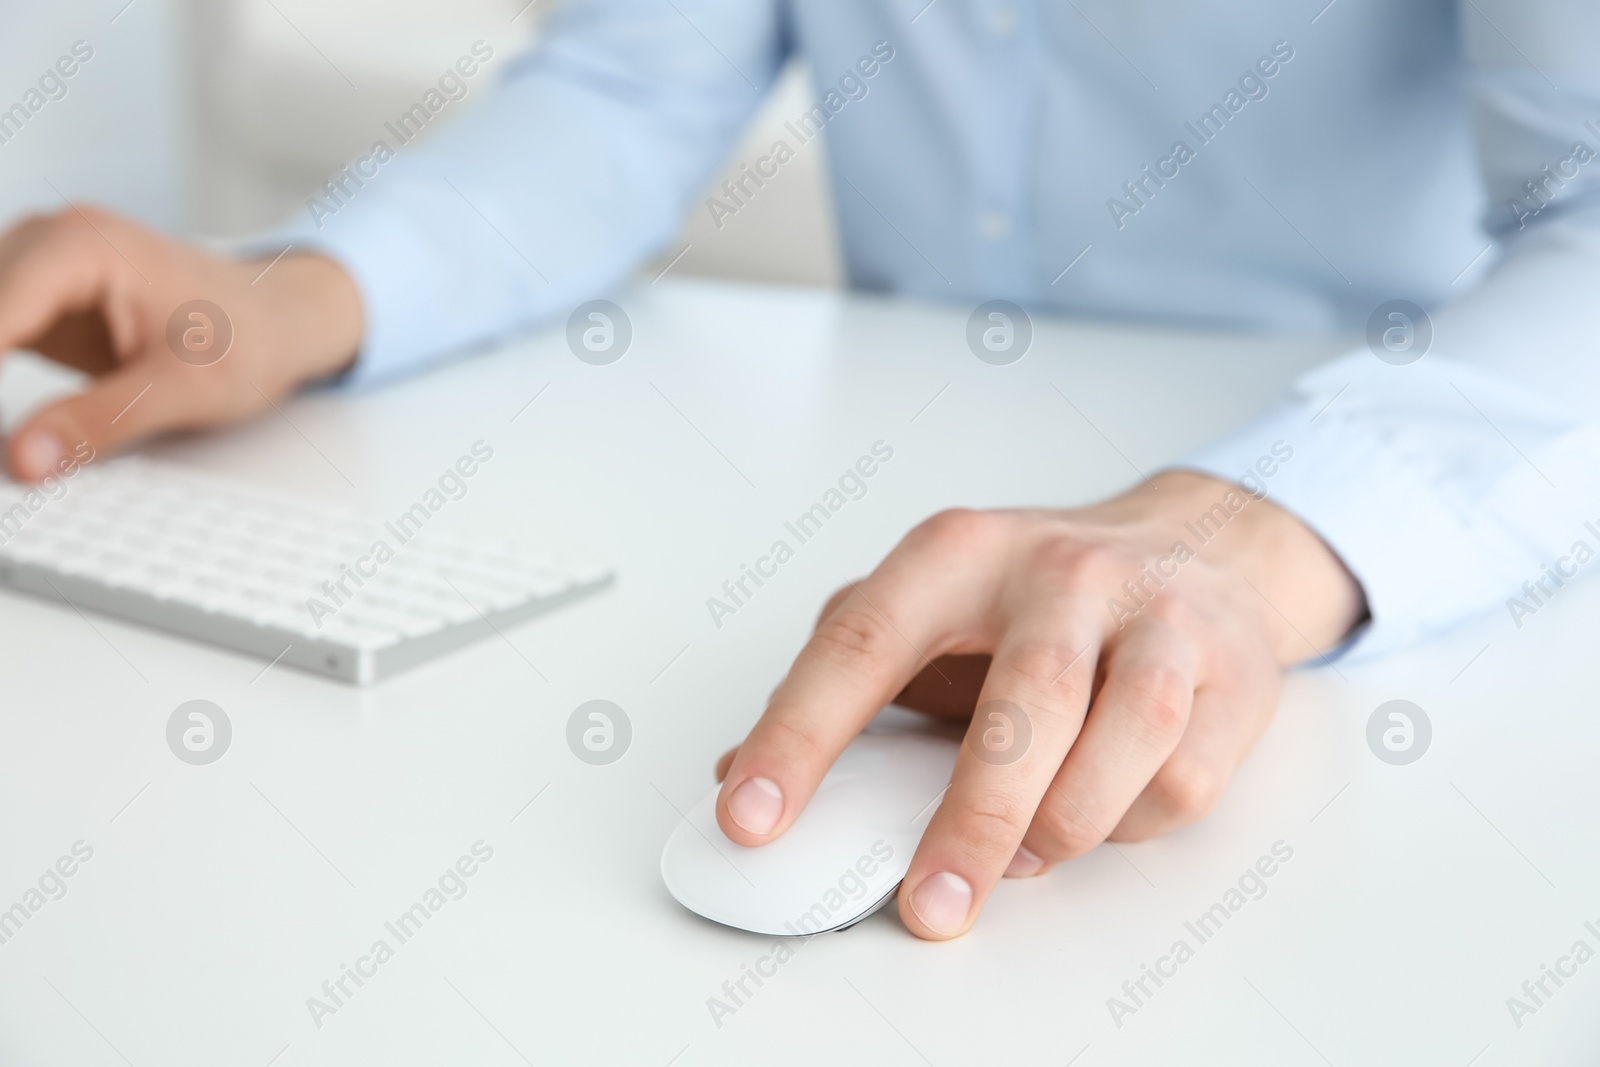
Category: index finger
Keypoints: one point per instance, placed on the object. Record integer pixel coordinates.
(50, 267)
(889, 626)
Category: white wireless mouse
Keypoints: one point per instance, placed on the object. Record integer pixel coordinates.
(840, 861)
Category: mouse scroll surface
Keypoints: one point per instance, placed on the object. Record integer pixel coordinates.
(838, 863)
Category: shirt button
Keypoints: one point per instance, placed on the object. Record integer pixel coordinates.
(1002, 20)
(994, 225)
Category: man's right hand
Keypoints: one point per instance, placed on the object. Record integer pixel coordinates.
(111, 298)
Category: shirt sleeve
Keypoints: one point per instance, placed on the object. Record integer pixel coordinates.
(1469, 479)
(577, 168)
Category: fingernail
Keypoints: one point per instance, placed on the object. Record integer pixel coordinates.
(39, 453)
(756, 805)
(942, 902)
(1024, 864)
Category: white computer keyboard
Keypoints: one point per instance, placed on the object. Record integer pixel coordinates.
(266, 574)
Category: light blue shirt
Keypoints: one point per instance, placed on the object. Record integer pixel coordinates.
(1254, 164)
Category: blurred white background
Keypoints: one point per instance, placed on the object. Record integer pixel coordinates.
(216, 118)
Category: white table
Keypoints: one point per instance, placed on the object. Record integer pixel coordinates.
(219, 898)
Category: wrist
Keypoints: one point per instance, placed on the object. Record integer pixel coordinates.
(1309, 601)
(314, 310)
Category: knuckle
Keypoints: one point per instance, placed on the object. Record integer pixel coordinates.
(88, 213)
(1064, 832)
(37, 232)
(1037, 664)
(992, 817)
(74, 219)
(1160, 697)
(795, 742)
(1187, 789)
(72, 229)
(1178, 613)
(852, 635)
(33, 223)
(1065, 561)
(956, 529)
(832, 603)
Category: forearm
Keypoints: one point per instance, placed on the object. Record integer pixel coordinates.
(574, 169)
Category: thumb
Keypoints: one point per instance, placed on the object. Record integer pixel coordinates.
(119, 407)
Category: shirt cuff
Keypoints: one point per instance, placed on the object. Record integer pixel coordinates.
(412, 315)
(1408, 475)
(369, 255)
